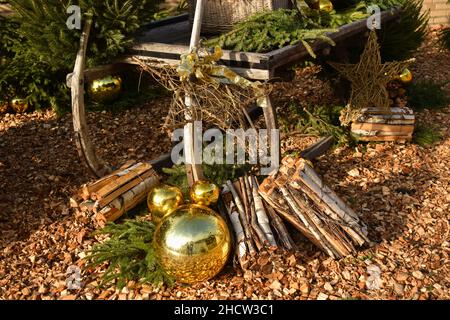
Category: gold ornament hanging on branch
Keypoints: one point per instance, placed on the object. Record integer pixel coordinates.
(369, 79)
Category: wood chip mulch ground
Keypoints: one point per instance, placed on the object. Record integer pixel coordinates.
(402, 192)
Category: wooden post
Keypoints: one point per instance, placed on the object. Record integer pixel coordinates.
(194, 170)
(83, 142)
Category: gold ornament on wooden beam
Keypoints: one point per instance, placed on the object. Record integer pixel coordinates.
(369, 79)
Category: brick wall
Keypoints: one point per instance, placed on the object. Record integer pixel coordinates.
(440, 11)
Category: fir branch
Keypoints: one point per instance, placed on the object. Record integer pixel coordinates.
(129, 254)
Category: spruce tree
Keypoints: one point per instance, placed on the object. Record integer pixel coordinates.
(39, 49)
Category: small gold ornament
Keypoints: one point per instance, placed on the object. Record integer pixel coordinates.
(105, 89)
(4, 105)
(192, 243)
(162, 200)
(204, 192)
(19, 105)
(406, 76)
(325, 5)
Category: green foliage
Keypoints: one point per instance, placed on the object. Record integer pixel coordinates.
(43, 24)
(23, 75)
(444, 38)
(427, 95)
(129, 254)
(400, 39)
(426, 135)
(178, 9)
(269, 30)
(217, 173)
(40, 49)
(314, 120)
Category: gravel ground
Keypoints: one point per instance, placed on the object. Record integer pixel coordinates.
(401, 191)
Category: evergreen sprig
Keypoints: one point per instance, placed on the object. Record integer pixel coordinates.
(217, 173)
(129, 254)
(265, 31)
(400, 39)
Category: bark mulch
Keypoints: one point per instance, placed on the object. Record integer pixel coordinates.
(401, 191)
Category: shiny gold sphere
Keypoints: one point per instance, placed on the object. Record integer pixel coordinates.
(4, 106)
(19, 105)
(192, 243)
(326, 5)
(406, 76)
(204, 192)
(162, 200)
(105, 89)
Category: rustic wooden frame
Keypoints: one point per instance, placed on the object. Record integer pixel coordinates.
(173, 35)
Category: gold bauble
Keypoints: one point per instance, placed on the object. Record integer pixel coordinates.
(19, 105)
(326, 5)
(162, 200)
(406, 76)
(4, 106)
(204, 192)
(192, 243)
(105, 89)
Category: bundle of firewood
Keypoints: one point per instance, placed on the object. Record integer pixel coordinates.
(298, 195)
(253, 221)
(110, 197)
(397, 124)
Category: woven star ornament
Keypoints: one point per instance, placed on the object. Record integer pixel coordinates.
(369, 78)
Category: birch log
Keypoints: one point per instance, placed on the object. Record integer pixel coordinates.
(263, 220)
(241, 247)
(237, 201)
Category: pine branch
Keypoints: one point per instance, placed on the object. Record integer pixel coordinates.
(129, 254)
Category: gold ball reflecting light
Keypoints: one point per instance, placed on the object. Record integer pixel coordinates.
(105, 89)
(204, 192)
(162, 200)
(406, 76)
(326, 5)
(192, 243)
(19, 105)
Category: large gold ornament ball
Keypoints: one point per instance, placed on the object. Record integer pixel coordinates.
(105, 89)
(162, 200)
(19, 105)
(192, 243)
(406, 76)
(204, 192)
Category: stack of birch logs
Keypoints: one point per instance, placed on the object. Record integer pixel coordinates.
(110, 197)
(396, 124)
(298, 195)
(252, 221)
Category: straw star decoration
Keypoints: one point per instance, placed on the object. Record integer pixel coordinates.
(369, 77)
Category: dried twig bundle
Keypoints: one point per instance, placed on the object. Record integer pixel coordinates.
(219, 96)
